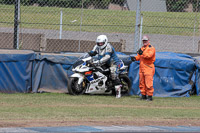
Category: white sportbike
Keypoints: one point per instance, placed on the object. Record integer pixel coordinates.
(92, 79)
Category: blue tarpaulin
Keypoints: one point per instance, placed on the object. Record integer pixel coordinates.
(197, 75)
(15, 71)
(50, 72)
(176, 75)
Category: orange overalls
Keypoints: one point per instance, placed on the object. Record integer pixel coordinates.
(147, 69)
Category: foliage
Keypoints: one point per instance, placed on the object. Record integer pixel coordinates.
(60, 3)
(196, 6)
(176, 5)
(98, 4)
(172, 5)
(180, 5)
(7, 2)
(120, 2)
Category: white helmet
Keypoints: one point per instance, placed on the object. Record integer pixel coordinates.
(102, 41)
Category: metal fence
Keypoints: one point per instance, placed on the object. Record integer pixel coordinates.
(172, 25)
(175, 27)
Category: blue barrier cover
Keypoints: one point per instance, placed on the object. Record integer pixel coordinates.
(15, 71)
(50, 72)
(197, 75)
(176, 75)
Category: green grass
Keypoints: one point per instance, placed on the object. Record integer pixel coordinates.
(101, 20)
(51, 106)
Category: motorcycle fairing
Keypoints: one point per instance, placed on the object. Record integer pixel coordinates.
(94, 87)
(79, 76)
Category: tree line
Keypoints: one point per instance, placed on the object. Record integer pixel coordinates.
(98, 4)
(181, 5)
(172, 5)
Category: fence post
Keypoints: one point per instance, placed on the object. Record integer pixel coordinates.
(196, 11)
(79, 42)
(16, 25)
(137, 25)
(123, 42)
(141, 22)
(61, 15)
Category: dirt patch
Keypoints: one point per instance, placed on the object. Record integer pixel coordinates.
(135, 122)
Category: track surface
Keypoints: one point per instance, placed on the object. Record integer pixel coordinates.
(102, 129)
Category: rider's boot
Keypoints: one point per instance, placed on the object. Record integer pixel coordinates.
(118, 91)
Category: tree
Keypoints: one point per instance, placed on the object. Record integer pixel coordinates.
(119, 2)
(98, 4)
(176, 5)
(196, 6)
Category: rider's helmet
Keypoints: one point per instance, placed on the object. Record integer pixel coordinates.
(102, 41)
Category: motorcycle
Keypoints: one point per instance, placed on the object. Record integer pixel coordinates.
(89, 78)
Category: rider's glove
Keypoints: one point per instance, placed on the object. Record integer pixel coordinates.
(140, 52)
(96, 63)
(133, 58)
(92, 53)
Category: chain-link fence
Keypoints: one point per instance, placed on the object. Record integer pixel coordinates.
(175, 28)
(73, 25)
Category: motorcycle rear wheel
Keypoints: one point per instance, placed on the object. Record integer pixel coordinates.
(126, 85)
(74, 88)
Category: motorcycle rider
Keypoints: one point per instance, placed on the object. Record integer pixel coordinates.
(107, 55)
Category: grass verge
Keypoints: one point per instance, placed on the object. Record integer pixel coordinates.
(174, 23)
(62, 107)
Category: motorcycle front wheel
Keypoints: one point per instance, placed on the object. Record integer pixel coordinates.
(74, 88)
